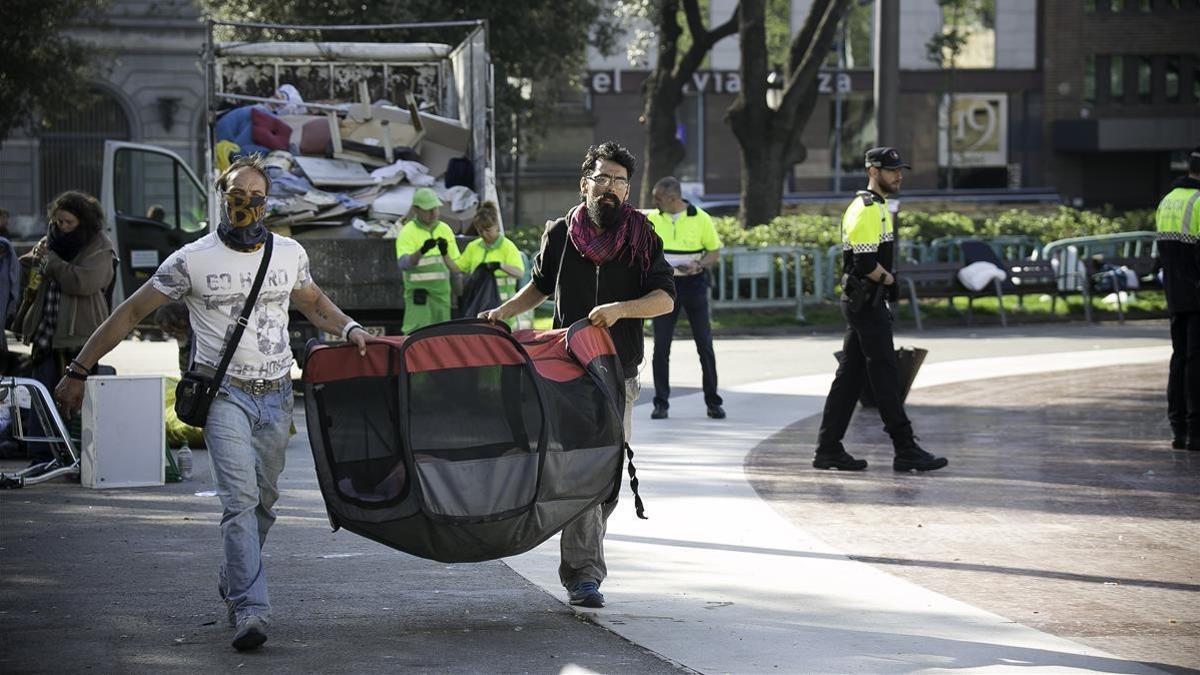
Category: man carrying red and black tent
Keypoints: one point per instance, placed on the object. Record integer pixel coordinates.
(603, 262)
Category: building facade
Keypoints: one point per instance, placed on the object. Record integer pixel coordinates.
(149, 89)
(1028, 103)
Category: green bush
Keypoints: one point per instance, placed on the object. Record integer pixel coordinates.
(821, 231)
(528, 238)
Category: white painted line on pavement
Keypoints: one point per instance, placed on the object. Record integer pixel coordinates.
(718, 581)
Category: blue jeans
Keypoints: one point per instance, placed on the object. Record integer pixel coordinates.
(246, 437)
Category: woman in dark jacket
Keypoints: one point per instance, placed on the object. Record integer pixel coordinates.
(70, 270)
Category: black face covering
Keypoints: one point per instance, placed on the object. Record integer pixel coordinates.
(241, 226)
(67, 245)
(605, 211)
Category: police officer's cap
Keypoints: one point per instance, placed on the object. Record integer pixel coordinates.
(885, 158)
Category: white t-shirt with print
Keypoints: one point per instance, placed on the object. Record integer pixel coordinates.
(214, 280)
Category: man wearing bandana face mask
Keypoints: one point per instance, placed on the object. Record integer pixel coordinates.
(602, 262)
(248, 423)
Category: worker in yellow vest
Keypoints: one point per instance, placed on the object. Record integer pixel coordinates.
(495, 251)
(1178, 224)
(691, 246)
(425, 252)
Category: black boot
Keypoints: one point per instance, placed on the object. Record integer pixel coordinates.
(837, 458)
(1181, 438)
(912, 457)
(660, 412)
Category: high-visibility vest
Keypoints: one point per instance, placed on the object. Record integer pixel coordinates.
(687, 236)
(430, 275)
(1178, 215)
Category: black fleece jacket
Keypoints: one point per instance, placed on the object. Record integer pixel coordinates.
(1180, 261)
(582, 286)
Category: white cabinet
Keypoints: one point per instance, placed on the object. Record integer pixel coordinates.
(123, 431)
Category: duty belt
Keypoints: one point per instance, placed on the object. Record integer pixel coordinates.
(254, 387)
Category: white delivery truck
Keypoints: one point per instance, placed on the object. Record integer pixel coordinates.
(378, 120)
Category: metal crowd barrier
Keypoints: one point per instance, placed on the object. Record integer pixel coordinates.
(772, 276)
(1120, 245)
(1069, 257)
(1007, 247)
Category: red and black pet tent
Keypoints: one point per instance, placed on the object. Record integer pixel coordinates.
(463, 442)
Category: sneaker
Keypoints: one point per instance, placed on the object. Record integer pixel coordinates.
(915, 458)
(586, 594)
(660, 412)
(251, 633)
(840, 460)
(716, 412)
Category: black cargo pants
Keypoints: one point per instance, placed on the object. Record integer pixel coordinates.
(868, 353)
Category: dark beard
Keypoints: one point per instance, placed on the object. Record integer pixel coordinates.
(605, 213)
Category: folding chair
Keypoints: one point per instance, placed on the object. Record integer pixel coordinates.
(13, 390)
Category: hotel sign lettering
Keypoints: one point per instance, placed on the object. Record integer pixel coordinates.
(706, 81)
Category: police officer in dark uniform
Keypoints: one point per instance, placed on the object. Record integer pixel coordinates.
(868, 282)
(1178, 224)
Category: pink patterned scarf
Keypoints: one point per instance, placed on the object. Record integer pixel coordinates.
(633, 237)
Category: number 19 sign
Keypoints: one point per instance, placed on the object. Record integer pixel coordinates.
(978, 127)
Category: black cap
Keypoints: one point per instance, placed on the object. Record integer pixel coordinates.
(885, 158)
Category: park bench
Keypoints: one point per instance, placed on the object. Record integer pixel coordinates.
(940, 280)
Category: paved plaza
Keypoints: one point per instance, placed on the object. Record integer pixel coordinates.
(1061, 538)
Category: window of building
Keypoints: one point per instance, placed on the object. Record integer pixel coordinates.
(71, 143)
(1089, 6)
(1116, 5)
(968, 36)
(1172, 76)
(1144, 69)
(1144, 5)
(1116, 77)
(1089, 79)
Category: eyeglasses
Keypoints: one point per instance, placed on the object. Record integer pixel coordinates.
(604, 180)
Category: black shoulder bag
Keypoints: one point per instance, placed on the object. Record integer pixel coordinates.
(196, 391)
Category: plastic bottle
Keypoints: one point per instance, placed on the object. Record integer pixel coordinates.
(183, 459)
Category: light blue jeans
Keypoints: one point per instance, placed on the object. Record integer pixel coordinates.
(246, 437)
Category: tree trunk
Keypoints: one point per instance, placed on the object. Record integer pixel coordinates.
(663, 91)
(663, 149)
(762, 184)
(769, 139)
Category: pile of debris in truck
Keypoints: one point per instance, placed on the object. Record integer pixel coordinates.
(358, 164)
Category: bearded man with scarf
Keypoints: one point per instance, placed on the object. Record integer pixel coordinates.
(602, 261)
(246, 431)
(69, 271)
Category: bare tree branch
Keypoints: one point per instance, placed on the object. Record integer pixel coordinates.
(702, 39)
(804, 73)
